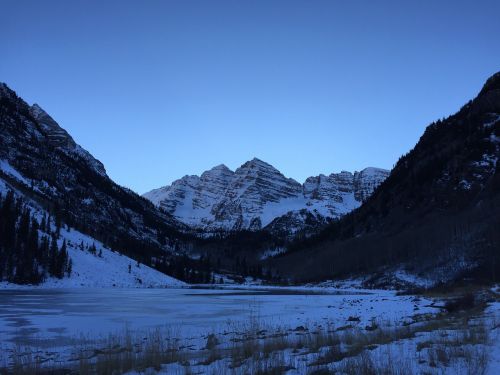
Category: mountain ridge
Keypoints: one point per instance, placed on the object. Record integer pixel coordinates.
(42, 164)
(255, 194)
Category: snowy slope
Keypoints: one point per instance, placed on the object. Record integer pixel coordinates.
(257, 193)
(109, 269)
(59, 172)
(106, 268)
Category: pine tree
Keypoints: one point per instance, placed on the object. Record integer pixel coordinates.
(69, 267)
(43, 224)
(62, 261)
(44, 255)
(58, 224)
(53, 253)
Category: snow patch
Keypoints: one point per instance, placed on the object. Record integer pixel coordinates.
(11, 171)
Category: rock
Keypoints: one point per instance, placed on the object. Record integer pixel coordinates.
(212, 342)
(257, 196)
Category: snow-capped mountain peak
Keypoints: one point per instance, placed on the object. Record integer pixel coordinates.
(256, 194)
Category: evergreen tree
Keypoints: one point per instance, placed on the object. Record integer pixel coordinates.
(43, 224)
(53, 253)
(69, 267)
(62, 261)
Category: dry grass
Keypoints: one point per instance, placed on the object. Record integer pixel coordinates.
(251, 348)
(24, 361)
(466, 347)
(125, 352)
(320, 338)
(367, 364)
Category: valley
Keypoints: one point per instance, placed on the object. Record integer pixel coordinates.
(351, 269)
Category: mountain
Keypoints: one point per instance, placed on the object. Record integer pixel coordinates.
(36, 249)
(436, 217)
(257, 196)
(53, 176)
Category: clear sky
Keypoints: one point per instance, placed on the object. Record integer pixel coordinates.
(160, 89)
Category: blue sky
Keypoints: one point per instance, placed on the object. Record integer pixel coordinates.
(160, 89)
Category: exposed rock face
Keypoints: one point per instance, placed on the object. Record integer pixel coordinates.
(56, 135)
(59, 137)
(41, 161)
(366, 181)
(256, 194)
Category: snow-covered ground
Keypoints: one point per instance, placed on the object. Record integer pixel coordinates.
(108, 294)
(460, 344)
(65, 324)
(105, 268)
(11, 171)
(58, 315)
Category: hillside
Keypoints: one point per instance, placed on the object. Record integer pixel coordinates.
(49, 172)
(436, 216)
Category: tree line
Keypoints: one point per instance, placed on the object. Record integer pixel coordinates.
(29, 250)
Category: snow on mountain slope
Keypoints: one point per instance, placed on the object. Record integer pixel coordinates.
(256, 194)
(61, 174)
(105, 268)
(6, 168)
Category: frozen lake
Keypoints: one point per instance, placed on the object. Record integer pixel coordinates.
(56, 315)
(62, 327)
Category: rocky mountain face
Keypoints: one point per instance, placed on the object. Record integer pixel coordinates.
(436, 216)
(58, 137)
(257, 196)
(41, 163)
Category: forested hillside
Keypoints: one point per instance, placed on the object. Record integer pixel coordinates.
(29, 252)
(437, 215)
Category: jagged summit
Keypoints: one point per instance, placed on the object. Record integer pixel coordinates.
(256, 163)
(220, 167)
(37, 111)
(57, 135)
(42, 126)
(6, 91)
(257, 193)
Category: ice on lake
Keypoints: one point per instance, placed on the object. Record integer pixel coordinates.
(59, 314)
